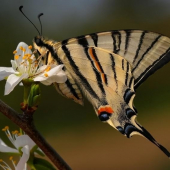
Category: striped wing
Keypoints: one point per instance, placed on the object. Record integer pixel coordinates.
(70, 89)
(107, 67)
(145, 51)
(107, 80)
(104, 77)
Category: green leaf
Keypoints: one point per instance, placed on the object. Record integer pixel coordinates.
(39, 152)
(42, 164)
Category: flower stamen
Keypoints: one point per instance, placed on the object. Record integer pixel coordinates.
(8, 133)
(10, 158)
(24, 57)
(48, 69)
(4, 165)
(14, 52)
(46, 75)
(26, 66)
(30, 47)
(16, 57)
(5, 128)
(13, 162)
(22, 48)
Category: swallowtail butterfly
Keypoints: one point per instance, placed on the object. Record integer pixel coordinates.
(107, 68)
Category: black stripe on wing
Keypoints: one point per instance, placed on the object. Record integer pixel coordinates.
(128, 32)
(47, 55)
(82, 41)
(114, 70)
(139, 45)
(148, 49)
(123, 67)
(161, 61)
(116, 35)
(98, 76)
(100, 66)
(78, 73)
(94, 36)
(52, 51)
(72, 90)
(127, 71)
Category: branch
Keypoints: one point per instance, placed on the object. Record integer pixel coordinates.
(25, 122)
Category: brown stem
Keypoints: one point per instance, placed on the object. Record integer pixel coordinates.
(25, 122)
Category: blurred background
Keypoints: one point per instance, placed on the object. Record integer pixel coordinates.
(74, 131)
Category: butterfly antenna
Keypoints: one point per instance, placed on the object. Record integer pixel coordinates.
(40, 21)
(20, 8)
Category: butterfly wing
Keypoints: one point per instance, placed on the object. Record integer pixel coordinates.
(104, 77)
(107, 81)
(107, 67)
(145, 51)
(69, 89)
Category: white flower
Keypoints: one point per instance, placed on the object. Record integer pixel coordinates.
(25, 65)
(5, 166)
(23, 145)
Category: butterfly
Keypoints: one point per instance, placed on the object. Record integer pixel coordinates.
(107, 68)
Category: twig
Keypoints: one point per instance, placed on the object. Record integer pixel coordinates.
(25, 122)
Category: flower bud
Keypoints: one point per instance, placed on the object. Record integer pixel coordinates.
(34, 96)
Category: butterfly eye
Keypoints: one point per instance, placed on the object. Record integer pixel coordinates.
(104, 116)
(38, 41)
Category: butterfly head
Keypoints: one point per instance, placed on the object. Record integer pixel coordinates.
(38, 43)
(39, 46)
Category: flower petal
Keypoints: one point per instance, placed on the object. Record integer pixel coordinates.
(24, 140)
(55, 69)
(12, 81)
(14, 64)
(24, 45)
(55, 74)
(25, 156)
(59, 78)
(5, 71)
(5, 148)
(41, 69)
(21, 53)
